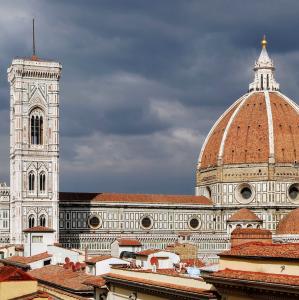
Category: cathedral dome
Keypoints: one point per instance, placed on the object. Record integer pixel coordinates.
(289, 224)
(251, 154)
(260, 127)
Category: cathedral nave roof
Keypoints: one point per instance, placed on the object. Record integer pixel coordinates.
(134, 198)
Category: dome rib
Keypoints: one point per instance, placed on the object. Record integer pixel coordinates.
(270, 127)
(243, 100)
(290, 101)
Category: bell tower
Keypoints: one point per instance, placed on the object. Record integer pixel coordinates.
(34, 144)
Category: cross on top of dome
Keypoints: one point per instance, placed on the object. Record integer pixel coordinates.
(264, 72)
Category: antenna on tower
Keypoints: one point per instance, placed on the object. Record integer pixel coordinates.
(33, 38)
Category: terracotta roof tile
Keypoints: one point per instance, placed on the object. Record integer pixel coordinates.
(39, 229)
(249, 231)
(190, 262)
(289, 224)
(98, 281)
(258, 276)
(128, 242)
(67, 278)
(148, 252)
(37, 295)
(97, 258)
(134, 198)
(244, 214)
(265, 250)
(8, 273)
(27, 260)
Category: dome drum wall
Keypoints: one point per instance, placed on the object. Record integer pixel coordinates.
(262, 193)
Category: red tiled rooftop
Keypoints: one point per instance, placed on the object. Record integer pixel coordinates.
(149, 252)
(37, 295)
(134, 198)
(244, 214)
(39, 229)
(190, 262)
(154, 283)
(246, 231)
(258, 276)
(67, 278)
(8, 273)
(96, 282)
(264, 250)
(128, 242)
(289, 224)
(27, 260)
(97, 258)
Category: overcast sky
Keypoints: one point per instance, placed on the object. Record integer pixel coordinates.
(143, 81)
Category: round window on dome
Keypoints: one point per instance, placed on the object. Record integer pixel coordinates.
(94, 222)
(194, 223)
(294, 192)
(146, 222)
(244, 193)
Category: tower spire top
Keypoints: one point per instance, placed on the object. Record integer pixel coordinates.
(264, 71)
(264, 42)
(34, 57)
(33, 38)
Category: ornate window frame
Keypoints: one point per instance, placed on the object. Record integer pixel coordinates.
(151, 220)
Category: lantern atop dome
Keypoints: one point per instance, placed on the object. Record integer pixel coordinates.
(264, 72)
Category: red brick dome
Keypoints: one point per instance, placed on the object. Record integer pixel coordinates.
(260, 127)
(244, 214)
(289, 224)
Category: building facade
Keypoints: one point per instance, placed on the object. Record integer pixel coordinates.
(250, 159)
(34, 145)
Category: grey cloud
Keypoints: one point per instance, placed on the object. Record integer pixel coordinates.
(143, 81)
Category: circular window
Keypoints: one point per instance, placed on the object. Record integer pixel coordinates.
(244, 193)
(94, 222)
(146, 222)
(194, 223)
(294, 192)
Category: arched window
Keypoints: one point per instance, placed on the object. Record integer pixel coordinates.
(42, 182)
(42, 220)
(31, 221)
(36, 127)
(31, 181)
(262, 82)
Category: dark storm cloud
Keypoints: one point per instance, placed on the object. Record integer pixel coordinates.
(143, 81)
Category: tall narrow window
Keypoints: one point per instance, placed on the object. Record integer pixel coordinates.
(262, 82)
(36, 127)
(31, 221)
(42, 182)
(268, 81)
(42, 220)
(31, 179)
